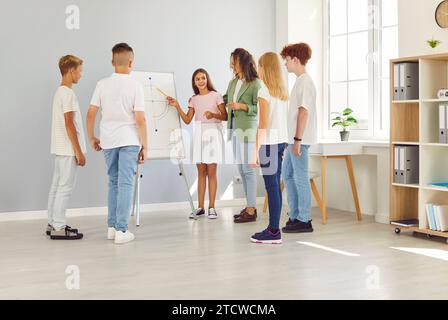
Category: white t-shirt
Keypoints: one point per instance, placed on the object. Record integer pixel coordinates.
(118, 96)
(65, 101)
(238, 86)
(277, 127)
(303, 95)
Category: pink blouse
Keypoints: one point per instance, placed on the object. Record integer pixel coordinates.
(208, 102)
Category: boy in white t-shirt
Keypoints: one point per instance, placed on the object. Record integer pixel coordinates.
(122, 137)
(68, 145)
(302, 128)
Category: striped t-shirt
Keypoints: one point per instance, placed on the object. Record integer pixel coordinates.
(65, 101)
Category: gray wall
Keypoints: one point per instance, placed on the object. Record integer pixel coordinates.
(167, 35)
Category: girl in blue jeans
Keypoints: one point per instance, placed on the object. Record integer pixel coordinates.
(272, 137)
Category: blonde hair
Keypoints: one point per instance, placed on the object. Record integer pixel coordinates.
(69, 62)
(271, 74)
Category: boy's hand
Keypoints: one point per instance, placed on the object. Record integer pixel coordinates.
(142, 156)
(297, 149)
(95, 143)
(80, 159)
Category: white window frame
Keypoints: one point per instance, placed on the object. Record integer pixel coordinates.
(375, 129)
(381, 131)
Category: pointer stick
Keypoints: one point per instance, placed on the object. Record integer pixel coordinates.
(163, 93)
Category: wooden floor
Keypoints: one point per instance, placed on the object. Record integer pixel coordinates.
(175, 258)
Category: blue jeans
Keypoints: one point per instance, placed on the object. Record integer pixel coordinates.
(297, 182)
(271, 158)
(243, 153)
(121, 166)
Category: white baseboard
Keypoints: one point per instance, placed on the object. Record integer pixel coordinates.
(382, 218)
(144, 208)
(102, 211)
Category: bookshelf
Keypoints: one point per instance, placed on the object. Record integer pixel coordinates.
(416, 122)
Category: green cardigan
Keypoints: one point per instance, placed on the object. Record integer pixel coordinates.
(247, 122)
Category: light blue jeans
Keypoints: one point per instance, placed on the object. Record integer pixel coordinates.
(121, 166)
(297, 182)
(243, 153)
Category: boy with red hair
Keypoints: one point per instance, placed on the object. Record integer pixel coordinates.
(302, 132)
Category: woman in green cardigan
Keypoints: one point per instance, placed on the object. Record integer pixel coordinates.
(242, 103)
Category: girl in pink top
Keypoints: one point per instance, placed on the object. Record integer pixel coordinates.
(208, 109)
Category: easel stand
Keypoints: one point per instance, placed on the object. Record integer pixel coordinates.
(136, 202)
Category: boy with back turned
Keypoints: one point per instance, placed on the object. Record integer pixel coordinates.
(123, 137)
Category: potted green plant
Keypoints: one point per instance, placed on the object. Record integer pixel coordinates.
(344, 120)
(433, 43)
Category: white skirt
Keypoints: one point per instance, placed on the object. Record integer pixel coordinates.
(208, 143)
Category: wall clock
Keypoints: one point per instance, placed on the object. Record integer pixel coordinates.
(442, 14)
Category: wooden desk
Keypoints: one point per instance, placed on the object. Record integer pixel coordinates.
(351, 175)
(344, 151)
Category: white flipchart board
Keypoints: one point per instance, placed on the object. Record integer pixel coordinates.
(162, 120)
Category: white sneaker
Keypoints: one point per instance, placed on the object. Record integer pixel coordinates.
(212, 214)
(111, 233)
(123, 237)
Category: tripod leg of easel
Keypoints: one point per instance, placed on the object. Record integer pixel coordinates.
(134, 197)
(137, 205)
(182, 173)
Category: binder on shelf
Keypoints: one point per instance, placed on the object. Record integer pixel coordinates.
(401, 164)
(408, 81)
(443, 113)
(411, 164)
(406, 164)
(401, 81)
(428, 207)
(396, 164)
(396, 81)
(443, 218)
(446, 122)
(432, 217)
(437, 216)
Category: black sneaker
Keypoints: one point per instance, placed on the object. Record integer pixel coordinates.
(299, 227)
(49, 228)
(65, 234)
(291, 222)
(267, 237)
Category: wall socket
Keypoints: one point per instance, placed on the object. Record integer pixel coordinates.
(237, 180)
